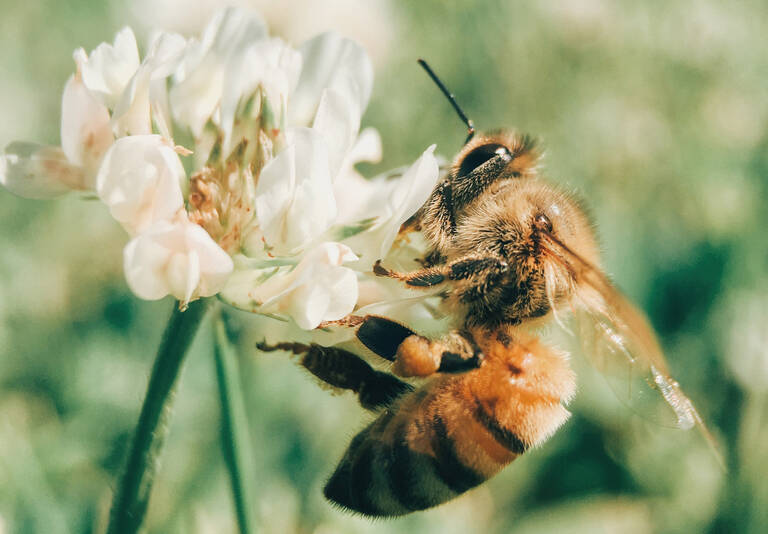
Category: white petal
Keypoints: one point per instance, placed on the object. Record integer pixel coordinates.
(109, 67)
(318, 289)
(343, 289)
(144, 261)
(85, 129)
(166, 51)
(331, 62)
(366, 148)
(177, 258)
(194, 100)
(274, 192)
(359, 198)
(410, 193)
(147, 89)
(392, 201)
(271, 64)
(338, 121)
(132, 113)
(140, 180)
(215, 264)
(307, 305)
(34, 171)
(294, 196)
(200, 78)
(183, 274)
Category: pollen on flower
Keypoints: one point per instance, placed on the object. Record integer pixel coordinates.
(217, 203)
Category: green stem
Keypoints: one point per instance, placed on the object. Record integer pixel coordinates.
(132, 497)
(235, 438)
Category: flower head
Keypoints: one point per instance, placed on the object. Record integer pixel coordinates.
(264, 208)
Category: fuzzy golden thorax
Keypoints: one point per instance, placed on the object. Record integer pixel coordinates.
(510, 221)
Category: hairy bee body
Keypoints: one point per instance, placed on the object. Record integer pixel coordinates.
(506, 251)
(457, 431)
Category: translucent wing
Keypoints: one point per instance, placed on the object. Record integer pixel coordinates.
(635, 378)
(622, 342)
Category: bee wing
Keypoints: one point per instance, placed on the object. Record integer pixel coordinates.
(635, 375)
(622, 341)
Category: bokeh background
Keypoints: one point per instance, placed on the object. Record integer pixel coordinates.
(655, 112)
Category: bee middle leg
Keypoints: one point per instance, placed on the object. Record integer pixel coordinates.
(477, 270)
(342, 369)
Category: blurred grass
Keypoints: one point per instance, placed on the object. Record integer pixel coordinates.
(654, 112)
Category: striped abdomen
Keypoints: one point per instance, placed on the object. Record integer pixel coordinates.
(449, 436)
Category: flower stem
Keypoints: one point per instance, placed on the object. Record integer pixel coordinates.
(132, 497)
(235, 438)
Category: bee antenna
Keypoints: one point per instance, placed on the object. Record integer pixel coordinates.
(451, 99)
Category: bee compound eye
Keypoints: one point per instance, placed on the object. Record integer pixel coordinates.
(542, 222)
(481, 155)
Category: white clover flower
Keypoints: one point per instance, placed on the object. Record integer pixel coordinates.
(108, 68)
(272, 215)
(331, 62)
(36, 171)
(350, 188)
(269, 64)
(318, 289)
(141, 181)
(146, 92)
(199, 82)
(85, 129)
(294, 196)
(391, 202)
(176, 258)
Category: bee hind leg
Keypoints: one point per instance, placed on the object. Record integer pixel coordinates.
(342, 369)
(455, 352)
(416, 355)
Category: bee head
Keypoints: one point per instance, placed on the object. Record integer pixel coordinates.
(495, 155)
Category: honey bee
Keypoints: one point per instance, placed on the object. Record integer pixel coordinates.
(507, 252)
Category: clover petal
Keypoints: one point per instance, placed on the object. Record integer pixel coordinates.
(330, 62)
(318, 289)
(140, 180)
(86, 133)
(177, 258)
(294, 195)
(108, 69)
(35, 171)
(199, 81)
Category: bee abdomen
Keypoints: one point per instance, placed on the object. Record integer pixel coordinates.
(388, 474)
(361, 480)
(450, 467)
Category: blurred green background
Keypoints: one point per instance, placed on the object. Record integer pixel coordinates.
(655, 112)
